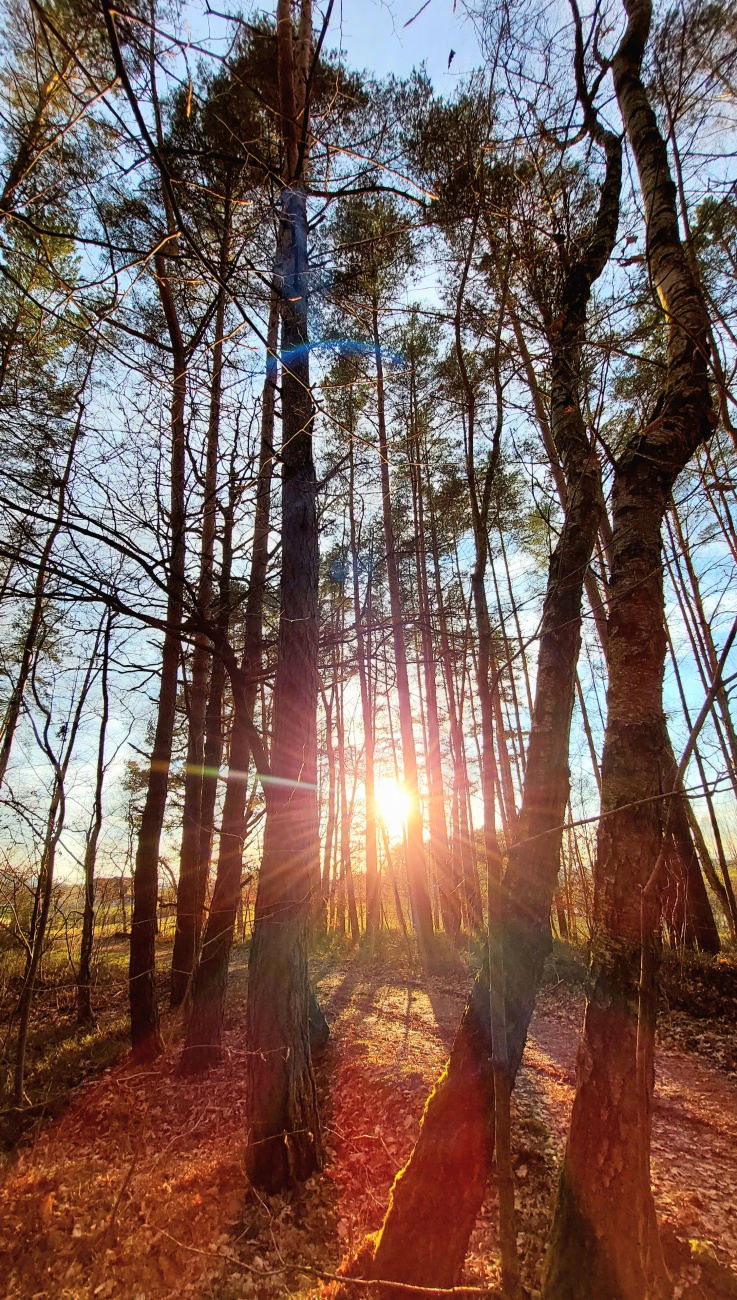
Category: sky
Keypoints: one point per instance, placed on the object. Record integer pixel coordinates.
(374, 36)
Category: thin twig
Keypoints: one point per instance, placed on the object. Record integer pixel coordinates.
(402, 1288)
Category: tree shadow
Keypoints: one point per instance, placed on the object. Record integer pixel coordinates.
(444, 1002)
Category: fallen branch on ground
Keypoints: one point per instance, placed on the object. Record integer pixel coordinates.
(401, 1288)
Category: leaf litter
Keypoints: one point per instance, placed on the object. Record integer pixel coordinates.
(139, 1190)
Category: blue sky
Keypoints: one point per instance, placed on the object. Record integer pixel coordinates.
(374, 36)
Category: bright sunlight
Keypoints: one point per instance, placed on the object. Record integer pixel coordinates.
(392, 805)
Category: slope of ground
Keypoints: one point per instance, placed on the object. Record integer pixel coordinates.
(137, 1190)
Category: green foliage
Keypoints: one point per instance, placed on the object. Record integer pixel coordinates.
(374, 249)
(638, 381)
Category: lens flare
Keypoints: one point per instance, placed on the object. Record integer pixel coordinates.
(392, 805)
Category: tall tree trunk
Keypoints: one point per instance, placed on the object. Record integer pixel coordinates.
(42, 904)
(373, 901)
(145, 1035)
(700, 657)
(419, 890)
(722, 888)
(214, 728)
(518, 627)
(439, 846)
(284, 1138)
(489, 694)
(509, 658)
(683, 551)
(604, 1236)
(329, 705)
(346, 867)
(203, 1041)
(556, 468)
(462, 867)
(686, 907)
(189, 905)
(455, 1144)
(84, 971)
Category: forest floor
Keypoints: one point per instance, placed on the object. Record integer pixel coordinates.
(136, 1187)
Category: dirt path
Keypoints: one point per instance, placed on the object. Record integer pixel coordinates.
(137, 1190)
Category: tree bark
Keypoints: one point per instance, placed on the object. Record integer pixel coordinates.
(84, 972)
(419, 890)
(488, 693)
(346, 867)
(284, 1137)
(448, 1153)
(686, 907)
(284, 1141)
(603, 1235)
(203, 1041)
(145, 1034)
(373, 901)
(439, 846)
(464, 880)
(189, 904)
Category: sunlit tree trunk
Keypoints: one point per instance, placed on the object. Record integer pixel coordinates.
(329, 705)
(604, 1234)
(464, 880)
(455, 1144)
(439, 846)
(346, 866)
(488, 693)
(214, 721)
(419, 890)
(688, 908)
(373, 901)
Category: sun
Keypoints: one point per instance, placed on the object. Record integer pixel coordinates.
(392, 805)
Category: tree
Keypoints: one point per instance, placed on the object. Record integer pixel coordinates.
(450, 1147)
(204, 1027)
(376, 251)
(604, 1229)
(59, 762)
(145, 1035)
(84, 970)
(284, 1139)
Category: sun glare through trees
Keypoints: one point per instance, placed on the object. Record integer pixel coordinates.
(392, 806)
(368, 649)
